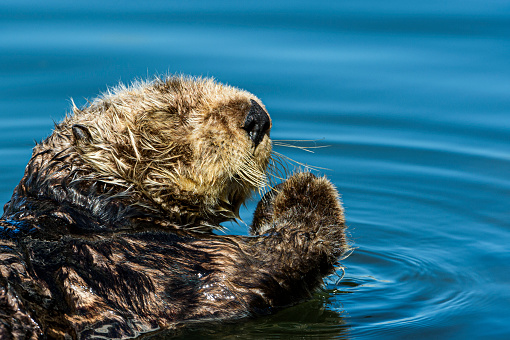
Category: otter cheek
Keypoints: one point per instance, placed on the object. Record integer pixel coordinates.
(262, 152)
(216, 153)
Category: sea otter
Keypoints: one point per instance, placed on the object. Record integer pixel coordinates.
(109, 233)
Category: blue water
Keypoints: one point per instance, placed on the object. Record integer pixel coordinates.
(411, 98)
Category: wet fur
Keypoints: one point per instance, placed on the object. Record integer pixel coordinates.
(109, 231)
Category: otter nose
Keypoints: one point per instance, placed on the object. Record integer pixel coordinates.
(257, 122)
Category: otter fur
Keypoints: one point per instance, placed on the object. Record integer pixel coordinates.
(110, 231)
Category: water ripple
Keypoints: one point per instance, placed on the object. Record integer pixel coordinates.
(403, 288)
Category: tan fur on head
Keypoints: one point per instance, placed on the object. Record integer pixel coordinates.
(178, 141)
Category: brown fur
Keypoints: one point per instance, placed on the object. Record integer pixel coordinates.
(109, 231)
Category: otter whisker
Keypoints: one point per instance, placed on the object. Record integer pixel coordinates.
(297, 140)
(292, 143)
(304, 148)
(306, 166)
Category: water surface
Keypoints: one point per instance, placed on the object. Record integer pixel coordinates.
(412, 100)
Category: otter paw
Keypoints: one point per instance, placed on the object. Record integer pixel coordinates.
(302, 199)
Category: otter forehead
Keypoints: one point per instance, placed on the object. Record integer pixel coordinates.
(179, 103)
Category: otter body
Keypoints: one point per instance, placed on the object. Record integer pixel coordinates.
(109, 232)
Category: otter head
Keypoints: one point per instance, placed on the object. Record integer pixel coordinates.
(193, 147)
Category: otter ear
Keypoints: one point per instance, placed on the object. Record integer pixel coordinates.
(81, 134)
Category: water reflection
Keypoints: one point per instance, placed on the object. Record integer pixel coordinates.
(309, 320)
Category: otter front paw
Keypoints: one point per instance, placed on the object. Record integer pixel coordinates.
(303, 201)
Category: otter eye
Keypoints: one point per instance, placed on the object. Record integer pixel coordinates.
(257, 122)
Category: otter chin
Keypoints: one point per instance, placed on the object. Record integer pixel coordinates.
(110, 231)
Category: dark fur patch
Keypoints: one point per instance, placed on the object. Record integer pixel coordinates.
(88, 251)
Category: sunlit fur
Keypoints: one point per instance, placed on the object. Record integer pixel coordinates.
(177, 141)
(109, 233)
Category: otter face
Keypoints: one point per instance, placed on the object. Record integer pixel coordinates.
(231, 149)
(182, 142)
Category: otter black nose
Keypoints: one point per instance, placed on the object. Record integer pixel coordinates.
(257, 122)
